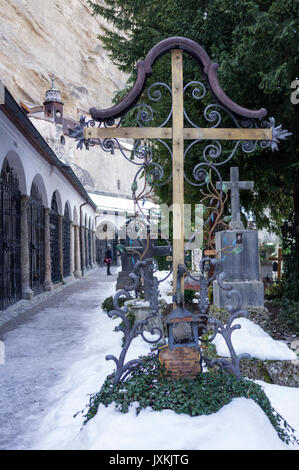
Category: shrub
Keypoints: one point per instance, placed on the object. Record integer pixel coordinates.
(149, 386)
(276, 291)
(288, 313)
(107, 305)
(189, 295)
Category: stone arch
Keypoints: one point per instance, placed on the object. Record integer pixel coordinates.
(67, 204)
(56, 209)
(59, 201)
(106, 230)
(16, 164)
(39, 182)
(36, 233)
(10, 236)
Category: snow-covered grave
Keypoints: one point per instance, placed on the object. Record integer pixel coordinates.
(239, 425)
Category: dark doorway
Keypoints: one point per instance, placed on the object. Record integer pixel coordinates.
(54, 241)
(36, 236)
(10, 238)
(66, 237)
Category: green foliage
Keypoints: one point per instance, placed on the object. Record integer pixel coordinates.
(189, 295)
(285, 295)
(107, 305)
(255, 44)
(288, 313)
(256, 48)
(149, 386)
(131, 317)
(266, 251)
(290, 253)
(275, 291)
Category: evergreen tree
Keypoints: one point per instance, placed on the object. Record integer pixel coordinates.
(255, 44)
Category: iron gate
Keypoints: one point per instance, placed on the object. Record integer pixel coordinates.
(54, 241)
(66, 236)
(10, 241)
(36, 236)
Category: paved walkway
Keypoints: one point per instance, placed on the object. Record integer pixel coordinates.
(40, 344)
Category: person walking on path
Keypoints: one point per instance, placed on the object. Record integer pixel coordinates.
(108, 259)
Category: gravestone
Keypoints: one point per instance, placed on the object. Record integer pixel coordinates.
(238, 249)
(129, 258)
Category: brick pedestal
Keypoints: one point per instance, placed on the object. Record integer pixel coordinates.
(181, 362)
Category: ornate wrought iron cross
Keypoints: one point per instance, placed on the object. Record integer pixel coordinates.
(177, 133)
(250, 129)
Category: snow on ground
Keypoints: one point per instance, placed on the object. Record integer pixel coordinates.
(239, 425)
(252, 339)
(166, 430)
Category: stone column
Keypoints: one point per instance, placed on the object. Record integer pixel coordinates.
(83, 267)
(27, 293)
(72, 249)
(60, 244)
(91, 248)
(47, 281)
(94, 248)
(87, 248)
(77, 272)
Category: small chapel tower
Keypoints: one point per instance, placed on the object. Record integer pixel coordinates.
(53, 105)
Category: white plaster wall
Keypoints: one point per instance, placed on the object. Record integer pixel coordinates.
(97, 170)
(29, 166)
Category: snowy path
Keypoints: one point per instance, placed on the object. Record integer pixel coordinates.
(40, 346)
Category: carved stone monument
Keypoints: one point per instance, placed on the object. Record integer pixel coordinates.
(239, 252)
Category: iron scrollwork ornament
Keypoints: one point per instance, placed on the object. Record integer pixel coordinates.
(212, 158)
(123, 369)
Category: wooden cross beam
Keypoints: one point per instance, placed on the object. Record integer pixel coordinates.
(167, 133)
(177, 133)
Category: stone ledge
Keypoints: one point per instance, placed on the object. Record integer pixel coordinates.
(285, 373)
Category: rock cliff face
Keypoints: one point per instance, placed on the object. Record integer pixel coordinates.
(42, 37)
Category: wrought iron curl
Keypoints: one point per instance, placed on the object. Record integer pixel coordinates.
(123, 369)
(226, 331)
(143, 152)
(198, 93)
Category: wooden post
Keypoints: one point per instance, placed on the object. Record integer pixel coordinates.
(177, 162)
